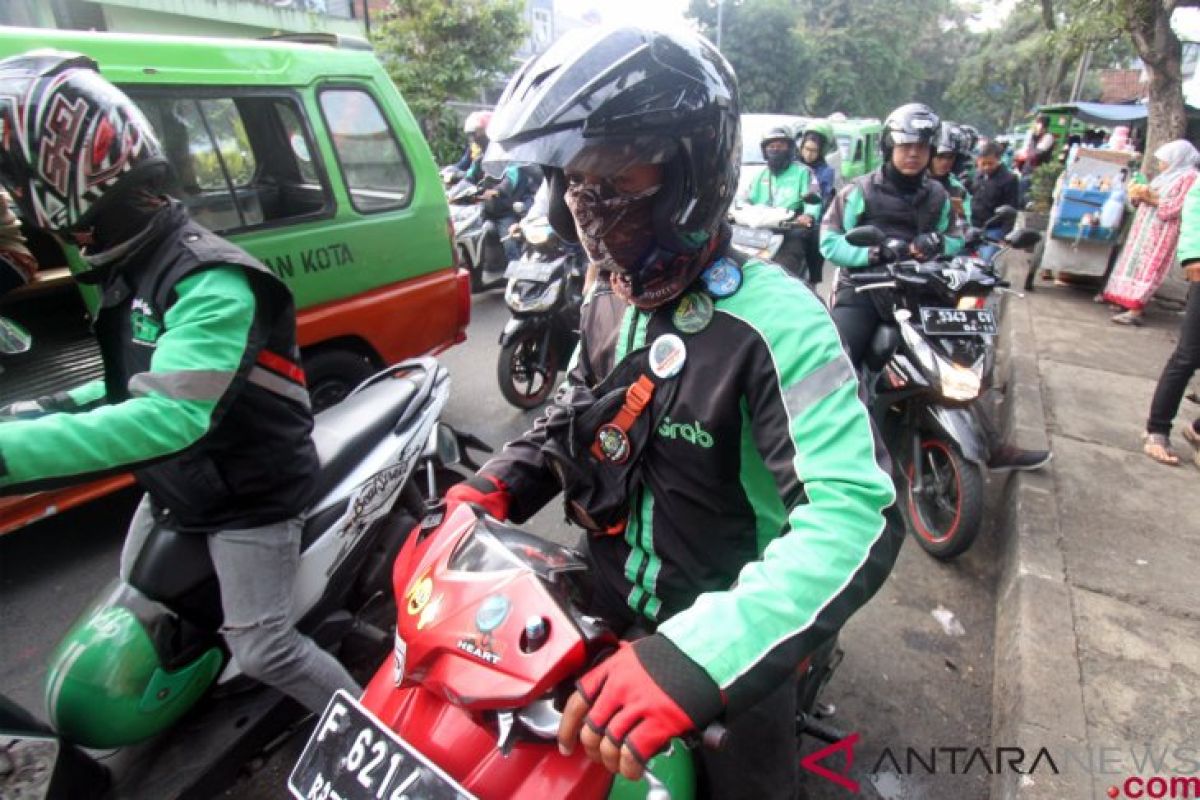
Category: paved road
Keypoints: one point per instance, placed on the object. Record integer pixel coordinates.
(905, 681)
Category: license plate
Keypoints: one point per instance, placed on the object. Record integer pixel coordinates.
(953, 321)
(752, 238)
(540, 271)
(352, 756)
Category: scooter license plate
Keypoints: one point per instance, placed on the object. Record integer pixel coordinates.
(751, 238)
(353, 756)
(958, 322)
(540, 271)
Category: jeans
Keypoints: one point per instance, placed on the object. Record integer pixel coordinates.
(1180, 367)
(256, 568)
(988, 250)
(512, 250)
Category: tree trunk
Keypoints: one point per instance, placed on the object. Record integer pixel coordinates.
(1149, 25)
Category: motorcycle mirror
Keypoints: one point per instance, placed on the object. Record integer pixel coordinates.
(14, 338)
(1023, 239)
(443, 444)
(865, 236)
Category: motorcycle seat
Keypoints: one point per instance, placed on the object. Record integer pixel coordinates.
(347, 431)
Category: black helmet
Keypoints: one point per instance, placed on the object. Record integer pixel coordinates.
(777, 134)
(909, 124)
(950, 140)
(603, 100)
(69, 140)
(970, 137)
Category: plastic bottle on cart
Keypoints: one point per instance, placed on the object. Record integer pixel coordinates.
(1113, 209)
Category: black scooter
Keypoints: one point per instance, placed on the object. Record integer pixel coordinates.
(923, 369)
(544, 293)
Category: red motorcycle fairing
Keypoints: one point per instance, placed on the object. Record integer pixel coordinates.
(463, 604)
(465, 746)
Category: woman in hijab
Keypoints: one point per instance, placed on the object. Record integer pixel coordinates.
(1149, 251)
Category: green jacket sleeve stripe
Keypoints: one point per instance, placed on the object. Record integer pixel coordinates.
(207, 334)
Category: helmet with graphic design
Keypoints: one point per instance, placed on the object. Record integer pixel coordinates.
(601, 102)
(71, 143)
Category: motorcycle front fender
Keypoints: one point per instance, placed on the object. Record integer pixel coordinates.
(958, 426)
(515, 326)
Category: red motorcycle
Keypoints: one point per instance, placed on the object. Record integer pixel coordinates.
(490, 640)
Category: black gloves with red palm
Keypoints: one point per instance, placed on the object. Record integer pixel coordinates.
(487, 492)
(629, 707)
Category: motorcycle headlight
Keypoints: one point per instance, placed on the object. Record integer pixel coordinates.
(959, 382)
(399, 657)
(532, 297)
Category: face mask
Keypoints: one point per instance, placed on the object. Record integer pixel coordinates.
(778, 162)
(616, 230)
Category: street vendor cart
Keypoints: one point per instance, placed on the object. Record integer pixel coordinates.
(1087, 218)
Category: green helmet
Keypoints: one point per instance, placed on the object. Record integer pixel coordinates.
(822, 128)
(107, 686)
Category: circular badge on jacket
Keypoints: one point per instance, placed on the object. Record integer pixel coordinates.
(614, 443)
(667, 354)
(723, 278)
(693, 312)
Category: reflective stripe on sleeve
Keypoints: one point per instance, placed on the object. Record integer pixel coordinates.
(197, 384)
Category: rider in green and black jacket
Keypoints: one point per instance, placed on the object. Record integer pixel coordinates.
(202, 396)
(784, 183)
(948, 151)
(764, 513)
(914, 209)
(900, 199)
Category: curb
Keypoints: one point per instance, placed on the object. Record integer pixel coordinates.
(1037, 695)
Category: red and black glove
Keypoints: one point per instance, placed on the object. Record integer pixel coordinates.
(634, 703)
(487, 492)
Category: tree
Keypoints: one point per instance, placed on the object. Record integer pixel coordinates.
(760, 40)
(860, 57)
(1148, 25)
(436, 52)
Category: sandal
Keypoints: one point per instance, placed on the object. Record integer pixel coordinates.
(1128, 318)
(1192, 436)
(1158, 447)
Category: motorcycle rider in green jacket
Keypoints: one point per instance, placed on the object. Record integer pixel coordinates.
(784, 183)
(906, 204)
(759, 510)
(202, 395)
(950, 146)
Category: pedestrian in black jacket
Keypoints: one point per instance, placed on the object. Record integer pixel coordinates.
(994, 186)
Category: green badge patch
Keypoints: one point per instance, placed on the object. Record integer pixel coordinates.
(146, 329)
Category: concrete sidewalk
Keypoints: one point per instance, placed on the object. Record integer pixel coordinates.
(1098, 605)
